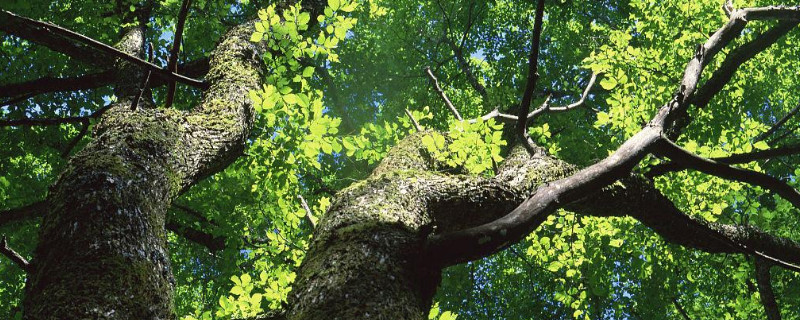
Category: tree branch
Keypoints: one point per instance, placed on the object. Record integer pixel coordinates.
(309, 215)
(765, 290)
(672, 166)
(413, 121)
(30, 211)
(683, 157)
(172, 64)
(43, 122)
(533, 77)
(50, 84)
(680, 309)
(465, 67)
(736, 58)
(778, 124)
(545, 107)
(14, 256)
(213, 243)
(441, 93)
(79, 46)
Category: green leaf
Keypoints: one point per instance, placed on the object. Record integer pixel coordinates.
(257, 37)
(308, 72)
(761, 145)
(333, 4)
(608, 83)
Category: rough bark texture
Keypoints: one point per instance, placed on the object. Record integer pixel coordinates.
(367, 259)
(102, 252)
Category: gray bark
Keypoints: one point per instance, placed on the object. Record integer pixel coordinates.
(102, 252)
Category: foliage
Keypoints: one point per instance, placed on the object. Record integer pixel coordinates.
(333, 104)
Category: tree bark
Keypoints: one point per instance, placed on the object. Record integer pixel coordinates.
(102, 252)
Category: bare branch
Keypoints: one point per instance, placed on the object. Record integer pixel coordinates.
(14, 256)
(533, 77)
(309, 215)
(722, 170)
(764, 284)
(172, 64)
(58, 38)
(545, 107)
(728, 8)
(441, 93)
(413, 121)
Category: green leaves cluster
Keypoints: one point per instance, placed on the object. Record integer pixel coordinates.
(473, 146)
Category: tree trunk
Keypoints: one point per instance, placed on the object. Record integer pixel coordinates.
(102, 252)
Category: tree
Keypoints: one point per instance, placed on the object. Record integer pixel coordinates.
(357, 200)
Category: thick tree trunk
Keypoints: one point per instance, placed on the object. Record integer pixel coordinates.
(102, 252)
(368, 258)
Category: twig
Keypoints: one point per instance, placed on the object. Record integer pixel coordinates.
(779, 124)
(75, 140)
(143, 87)
(309, 215)
(533, 77)
(680, 309)
(413, 121)
(14, 256)
(172, 64)
(442, 94)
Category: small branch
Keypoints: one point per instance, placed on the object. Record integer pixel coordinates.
(143, 87)
(75, 140)
(14, 256)
(43, 122)
(439, 90)
(581, 101)
(680, 309)
(736, 58)
(533, 77)
(545, 107)
(728, 8)
(672, 166)
(779, 124)
(465, 67)
(16, 100)
(213, 243)
(172, 64)
(764, 284)
(309, 215)
(413, 121)
(33, 210)
(53, 122)
(32, 29)
(681, 156)
(50, 84)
